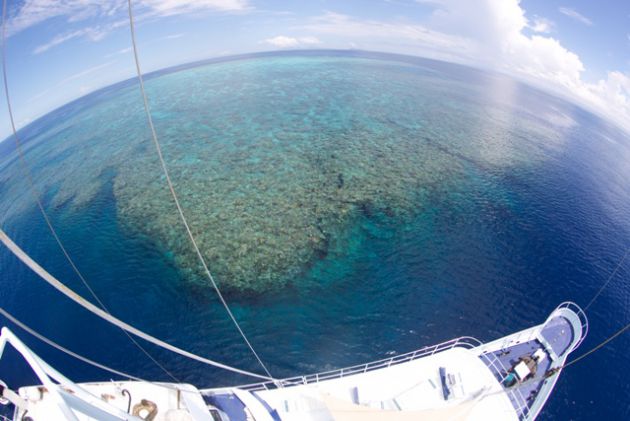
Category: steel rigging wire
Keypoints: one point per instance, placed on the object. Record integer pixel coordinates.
(36, 195)
(613, 273)
(86, 304)
(174, 194)
(61, 287)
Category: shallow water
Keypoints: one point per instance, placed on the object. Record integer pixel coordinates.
(468, 204)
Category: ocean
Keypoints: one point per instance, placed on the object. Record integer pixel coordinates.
(351, 205)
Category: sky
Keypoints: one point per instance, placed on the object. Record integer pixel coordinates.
(60, 50)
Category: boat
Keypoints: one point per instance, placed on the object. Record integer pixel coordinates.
(509, 378)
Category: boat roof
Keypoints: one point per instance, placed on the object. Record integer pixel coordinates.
(415, 387)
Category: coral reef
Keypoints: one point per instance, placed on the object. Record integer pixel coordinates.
(272, 158)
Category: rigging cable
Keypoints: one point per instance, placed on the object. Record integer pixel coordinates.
(36, 194)
(608, 280)
(59, 286)
(79, 357)
(174, 194)
(65, 350)
(597, 347)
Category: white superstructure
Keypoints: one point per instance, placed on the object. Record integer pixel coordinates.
(508, 379)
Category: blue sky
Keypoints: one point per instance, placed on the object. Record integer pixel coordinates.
(59, 50)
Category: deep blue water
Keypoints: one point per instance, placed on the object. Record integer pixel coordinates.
(492, 252)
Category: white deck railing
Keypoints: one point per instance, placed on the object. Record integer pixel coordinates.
(462, 342)
(493, 363)
(581, 316)
(67, 396)
(496, 365)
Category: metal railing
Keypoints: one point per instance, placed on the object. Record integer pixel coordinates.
(496, 365)
(518, 338)
(66, 395)
(462, 342)
(582, 317)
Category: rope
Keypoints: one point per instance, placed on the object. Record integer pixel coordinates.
(55, 283)
(36, 195)
(601, 345)
(78, 356)
(608, 280)
(65, 350)
(174, 194)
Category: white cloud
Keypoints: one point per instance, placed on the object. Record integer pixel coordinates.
(282, 41)
(84, 89)
(122, 51)
(388, 35)
(86, 72)
(496, 26)
(93, 33)
(79, 75)
(59, 39)
(173, 36)
(610, 95)
(490, 34)
(309, 40)
(541, 25)
(575, 15)
(34, 12)
(176, 7)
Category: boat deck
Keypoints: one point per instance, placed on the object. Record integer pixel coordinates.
(509, 357)
(559, 334)
(455, 381)
(508, 379)
(418, 388)
(555, 338)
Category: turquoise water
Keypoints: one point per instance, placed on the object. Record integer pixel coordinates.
(351, 206)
